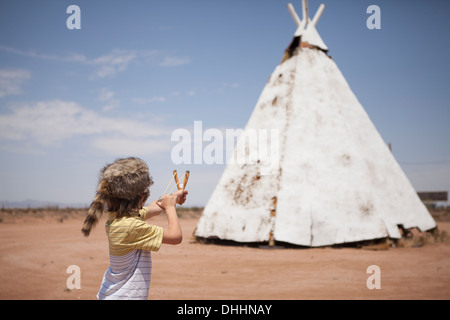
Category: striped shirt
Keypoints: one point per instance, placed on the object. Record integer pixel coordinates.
(131, 241)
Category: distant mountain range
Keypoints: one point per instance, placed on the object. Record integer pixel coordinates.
(31, 203)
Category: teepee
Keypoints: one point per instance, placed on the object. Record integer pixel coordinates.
(332, 180)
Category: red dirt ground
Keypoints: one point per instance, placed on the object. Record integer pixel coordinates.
(35, 254)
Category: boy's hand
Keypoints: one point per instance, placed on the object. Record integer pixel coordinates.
(181, 196)
(167, 201)
(172, 199)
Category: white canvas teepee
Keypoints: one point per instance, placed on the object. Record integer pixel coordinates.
(335, 181)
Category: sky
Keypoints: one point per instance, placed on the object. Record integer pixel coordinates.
(73, 100)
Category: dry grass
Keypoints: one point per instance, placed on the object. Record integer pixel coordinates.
(412, 238)
(423, 238)
(17, 215)
(440, 214)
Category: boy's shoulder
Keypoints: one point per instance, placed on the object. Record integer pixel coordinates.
(126, 220)
(131, 232)
(129, 221)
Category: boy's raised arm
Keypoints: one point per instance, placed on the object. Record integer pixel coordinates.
(173, 233)
(154, 209)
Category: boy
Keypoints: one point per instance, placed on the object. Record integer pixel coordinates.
(122, 191)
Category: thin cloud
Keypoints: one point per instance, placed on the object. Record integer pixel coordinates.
(225, 86)
(71, 57)
(106, 96)
(110, 64)
(117, 61)
(174, 61)
(11, 81)
(126, 146)
(144, 101)
(50, 123)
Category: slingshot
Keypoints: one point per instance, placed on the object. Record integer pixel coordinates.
(180, 185)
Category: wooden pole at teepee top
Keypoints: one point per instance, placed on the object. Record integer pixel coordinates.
(294, 14)
(305, 12)
(318, 14)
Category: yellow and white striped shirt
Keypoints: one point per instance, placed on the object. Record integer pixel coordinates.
(131, 240)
